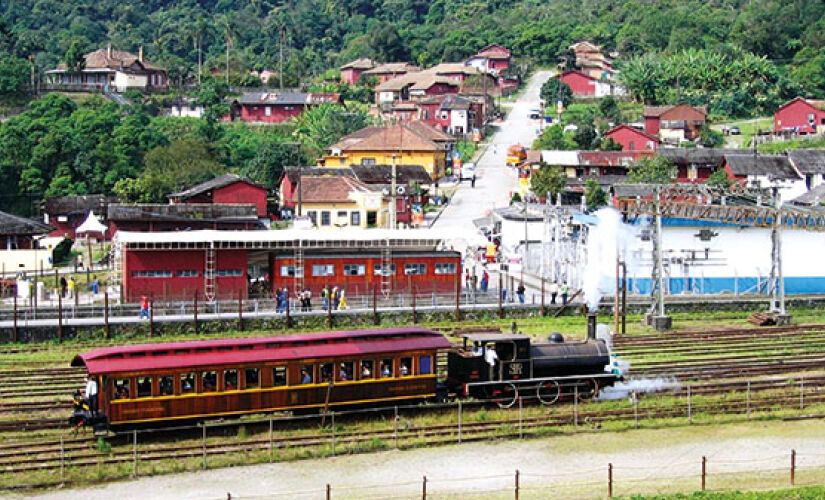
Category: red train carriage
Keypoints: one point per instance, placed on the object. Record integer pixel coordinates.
(360, 274)
(200, 379)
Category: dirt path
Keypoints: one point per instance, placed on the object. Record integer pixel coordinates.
(644, 460)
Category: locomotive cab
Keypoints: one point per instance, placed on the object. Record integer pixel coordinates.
(488, 357)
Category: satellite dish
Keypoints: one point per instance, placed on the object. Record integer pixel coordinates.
(401, 189)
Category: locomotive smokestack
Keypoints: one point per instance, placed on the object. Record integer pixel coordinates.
(591, 325)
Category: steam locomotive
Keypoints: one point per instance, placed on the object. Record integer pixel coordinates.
(196, 380)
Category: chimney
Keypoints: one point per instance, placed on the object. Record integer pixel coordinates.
(140, 53)
(591, 326)
(109, 50)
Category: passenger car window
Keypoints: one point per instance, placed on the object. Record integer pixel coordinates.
(230, 380)
(425, 365)
(279, 376)
(346, 370)
(326, 372)
(187, 383)
(367, 369)
(120, 390)
(386, 368)
(210, 381)
(252, 378)
(165, 386)
(144, 387)
(307, 374)
(405, 368)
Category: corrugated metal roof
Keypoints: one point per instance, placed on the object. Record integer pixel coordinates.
(776, 166)
(233, 352)
(560, 158)
(808, 161)
(217, 182)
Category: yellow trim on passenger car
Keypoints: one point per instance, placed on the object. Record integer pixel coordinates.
(273, 389)
(264, 410)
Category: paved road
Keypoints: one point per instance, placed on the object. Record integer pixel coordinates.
(495, 180)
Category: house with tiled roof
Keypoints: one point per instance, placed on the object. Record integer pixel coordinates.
(388, 71)
(351, 72)
(492, 58)
(336, 201)
(765, 171)
(225, 189)
(400, 144)
(110, 69)
(632, 139)
(800, 116)
(675, 124)
(277, 107)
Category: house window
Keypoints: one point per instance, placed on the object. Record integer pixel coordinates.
(811, 118)
(325, 218)
(289, 271)
(444, 115)
(313, 216)
(228, 273)
(268, 111)
(378, 270)
(341, 218)
(187, 273)
(415, 269)
(355, 269)
(445, 268)
(323, 269)
(367, 161)
(152, 274)
(355, 218)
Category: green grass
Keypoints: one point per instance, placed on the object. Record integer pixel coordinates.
(804, 493)
(748, 127)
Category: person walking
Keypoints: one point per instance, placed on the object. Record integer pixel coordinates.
(342, 301)
(565, 290)
(473, 181)
(485, 281)
(71, 286)
(278, 301)
(95, 285)
(91, 394)
(336, 298)
(63, 286)
(554, 291)
(325, 297)
(520, 292)
(144, 308)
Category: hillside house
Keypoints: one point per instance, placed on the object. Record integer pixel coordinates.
(110, 69)
(696, 164)
(584, 85)
(491, 59)
(413, 86)
(800, 116)
(185, 107)
(388, 71)
(632, 139)
(336, 201)
(765, 171)
(225, 189)
(674, 124)
(277, 107)
(66, 213)
(403, 144)
(592, 61)
(453, 114)
(351, 72)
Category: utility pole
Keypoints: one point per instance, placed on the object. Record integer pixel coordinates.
(392, 210)
(526, 243)
(658, 320)
(300, 196)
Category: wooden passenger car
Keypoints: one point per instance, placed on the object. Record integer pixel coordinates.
(202, 379)
(360, 274)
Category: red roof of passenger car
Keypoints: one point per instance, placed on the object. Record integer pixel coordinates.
(191, 354)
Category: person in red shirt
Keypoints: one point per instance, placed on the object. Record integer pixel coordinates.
(144, 307)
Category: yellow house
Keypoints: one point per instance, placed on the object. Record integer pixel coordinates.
(333, 202)
(402, 144)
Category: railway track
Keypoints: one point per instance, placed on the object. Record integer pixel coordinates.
(79, 453)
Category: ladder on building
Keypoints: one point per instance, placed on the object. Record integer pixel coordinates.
(298, 269)
(209, 275)
(386, 271)
(116, 263)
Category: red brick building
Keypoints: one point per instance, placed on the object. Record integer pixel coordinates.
(276, 107)
(351, 72)
(226, 189)
(632, 139)
(800, 116)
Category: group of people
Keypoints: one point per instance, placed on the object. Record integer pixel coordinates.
(555, 289)
(68, 287)
(472, 283)
(334, 299)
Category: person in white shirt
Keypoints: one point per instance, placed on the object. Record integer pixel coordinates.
(490, 356)
(91, 394)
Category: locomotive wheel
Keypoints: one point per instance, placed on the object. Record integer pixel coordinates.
(505, 396)
(548, 392)
(588, 388)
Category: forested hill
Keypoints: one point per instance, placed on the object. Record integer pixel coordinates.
(321, 34)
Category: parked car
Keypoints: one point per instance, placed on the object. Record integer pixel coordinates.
(735, 130)
(468, 170)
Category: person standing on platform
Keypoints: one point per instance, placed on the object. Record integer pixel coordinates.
(520, 292)
(565, 290)
(554, 291)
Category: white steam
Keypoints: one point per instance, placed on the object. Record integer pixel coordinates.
(606, 241)
(639, 386)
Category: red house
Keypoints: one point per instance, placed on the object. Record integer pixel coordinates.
(389, 71)
(800, 116)
(276, 107)
(681, 122)
(492, 57)
(632, 139)
(584, 85)
(351, 72)
(226, 189)
(66, 213)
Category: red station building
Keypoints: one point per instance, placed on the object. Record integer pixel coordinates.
(226, 189)
(229, 265)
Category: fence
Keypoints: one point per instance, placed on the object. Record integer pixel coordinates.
(284, 438)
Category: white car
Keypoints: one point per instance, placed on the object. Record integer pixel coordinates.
(468, 171)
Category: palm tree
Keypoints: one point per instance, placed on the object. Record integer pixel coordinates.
(227, 27)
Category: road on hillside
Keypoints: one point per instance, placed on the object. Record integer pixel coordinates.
(495, 181)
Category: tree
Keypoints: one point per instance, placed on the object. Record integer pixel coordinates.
(554, 137)
(585, 136)
(547, 180)
(719, 180)
(610, 110)
(75, 62)
(652, 170)
(321, 126)
(554, 90)
(594, 194)
(386, 43)
(268, 165)
(14, 76)
(710, 138)
(608, 144)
